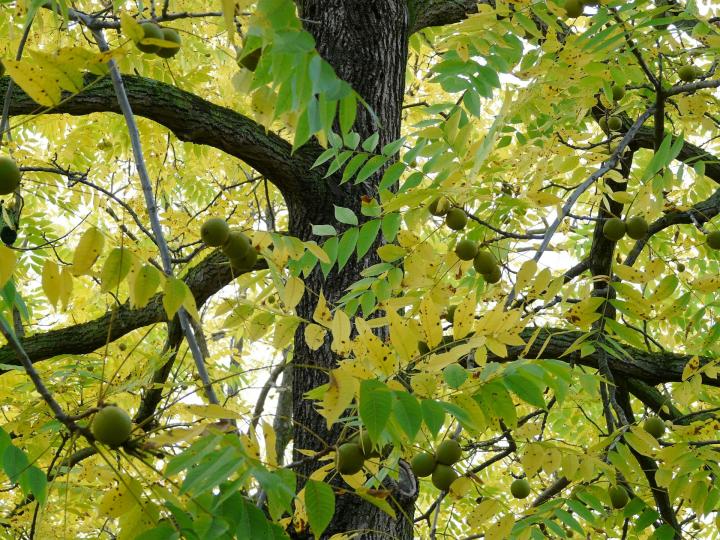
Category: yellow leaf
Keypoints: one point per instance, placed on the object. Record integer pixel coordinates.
(115, 270)
(7, 264)
(284, 331)
(495, 347)
(402, 338)
(87, 251)
(340, 392)
(34, 81)
(627, 273)
(121, 499)
(293, 292)
(340, 329)
(691, 368)
(146, 283)
(707, 284)
(130, 27)
(543, 198)
(322, 314)
(318, 252)
(464, 317)
(212, 411)
(314, 336)
(269, 436)
(526, 273)
(50, 280)
(532, 459)
(501, 528)
(66, 286)
(174, 296)
(430, 322)
(390, 252)
(481, 513)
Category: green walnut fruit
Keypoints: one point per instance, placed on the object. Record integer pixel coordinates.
(450, 315)
(654, 426)
(111, 426)
(423, 347)
(603, 123)
(439, 206)
(443, 476)
(456, 219)
(9, 175)
(423, 464)
(520, 488)
(573, 8)
(484, 262)
(713, 240)
(466, 250)
(636, 227)
(493, 276)
(688, 73)
(365, 443)
(169, 34)
(150, 31)
(680, 267)
(448, 452)
(614, 229)
(614, 123)
(246, 262)
(350, 458)
(618, 496)
(236, 246)
(214, 232)
(251, 60)
(618, 92)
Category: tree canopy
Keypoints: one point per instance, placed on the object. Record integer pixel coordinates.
(382, 269)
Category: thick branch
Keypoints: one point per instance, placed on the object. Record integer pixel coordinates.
(191, 119)
(424, 13)
(204, 280)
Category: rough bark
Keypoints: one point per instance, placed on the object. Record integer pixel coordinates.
(366, 44)
(424, 13)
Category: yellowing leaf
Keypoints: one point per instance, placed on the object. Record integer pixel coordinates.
(526, 273)
(691, 368)
(707, 284)
(318, 252)
(500, 530)
(628, 273)
(430, 322)
(284, 331)
(464, 317)
(115, 269)
(66, 286)
(50, 280)
(146, 283)
(7, 264)
(543, 198)
(293, 292)
(401, 337)
(87, 251)
(121, 499)
(322, 314)
(314, 336)
(390, 252)
(130, 27)
(340, 328)
(340, 392)
(173, 296)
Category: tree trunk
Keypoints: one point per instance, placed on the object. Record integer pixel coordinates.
(366, 43)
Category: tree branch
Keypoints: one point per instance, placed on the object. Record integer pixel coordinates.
(204, 280)
(424, 13)
(191, 119)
